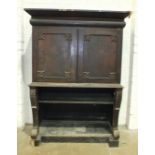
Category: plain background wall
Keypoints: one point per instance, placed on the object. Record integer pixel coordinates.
(128, 112)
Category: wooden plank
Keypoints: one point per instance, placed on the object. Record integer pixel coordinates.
(74, 102)
(76, 85)
(60, 139)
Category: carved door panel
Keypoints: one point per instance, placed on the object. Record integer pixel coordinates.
(55, 54)
(98, 55)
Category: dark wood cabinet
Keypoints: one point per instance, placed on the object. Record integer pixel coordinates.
(76, 75)
(73, 54)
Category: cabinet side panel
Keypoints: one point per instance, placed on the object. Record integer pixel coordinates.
(34, 51)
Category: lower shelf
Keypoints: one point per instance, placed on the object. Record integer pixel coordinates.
(75, 131)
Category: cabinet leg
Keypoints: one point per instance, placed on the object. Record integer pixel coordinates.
(114, 139)
(115, 134)
(37, 141)
(34, 133)
(35, 137)
(113, 142)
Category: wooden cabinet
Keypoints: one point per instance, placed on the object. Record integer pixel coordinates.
(73, 54)
(76, 75)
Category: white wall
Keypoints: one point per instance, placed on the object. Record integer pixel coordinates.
(146, 76)
(132, 109)
(24, 52)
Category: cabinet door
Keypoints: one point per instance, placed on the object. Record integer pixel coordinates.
(54, 54)
(99, 55)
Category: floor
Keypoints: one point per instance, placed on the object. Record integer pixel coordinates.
(128, 146)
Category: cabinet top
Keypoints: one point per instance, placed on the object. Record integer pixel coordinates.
(37, 12)
(99, 18)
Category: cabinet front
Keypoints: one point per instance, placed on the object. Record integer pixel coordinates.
(99, 53)
(54, 54)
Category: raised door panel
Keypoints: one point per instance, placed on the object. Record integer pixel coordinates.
(99, 55)
(55, 54)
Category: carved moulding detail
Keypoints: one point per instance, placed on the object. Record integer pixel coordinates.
(42, 36)
(86, 37)
(68, 36)
(40, 73)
